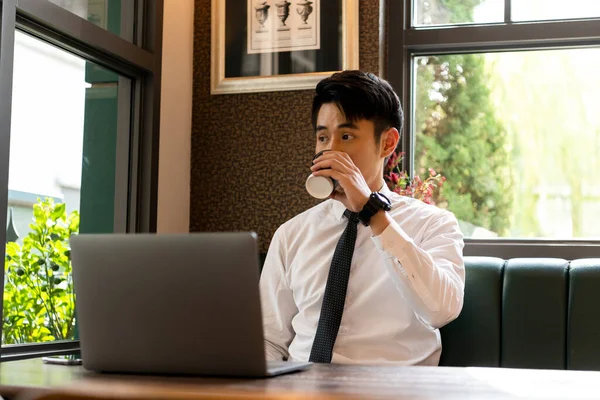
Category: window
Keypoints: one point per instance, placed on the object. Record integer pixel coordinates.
(115, 16)
(77, 142)
(532, 10)
(477, 116)
(445, 12)
(70, 145)
(507, 113)
(455, 12)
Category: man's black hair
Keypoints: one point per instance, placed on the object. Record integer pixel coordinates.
(360, 95)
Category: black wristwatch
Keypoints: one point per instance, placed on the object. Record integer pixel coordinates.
(376, 202)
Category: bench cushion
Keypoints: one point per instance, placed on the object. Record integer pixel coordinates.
(534, 313)
(474, 337)
(583, 338)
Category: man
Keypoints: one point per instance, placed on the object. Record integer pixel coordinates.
(334, 289)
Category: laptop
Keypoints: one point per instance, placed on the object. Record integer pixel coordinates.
(173, 304)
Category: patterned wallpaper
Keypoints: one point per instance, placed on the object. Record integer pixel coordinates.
(251, 152)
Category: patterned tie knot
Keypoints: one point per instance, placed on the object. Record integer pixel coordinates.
(352, 216)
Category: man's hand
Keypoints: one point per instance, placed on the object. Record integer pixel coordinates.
(356, 191)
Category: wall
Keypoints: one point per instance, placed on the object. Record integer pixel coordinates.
(251, 152)
(175, 117)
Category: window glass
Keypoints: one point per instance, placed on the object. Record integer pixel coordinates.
(61, 172)
(531, 10)
(451, 12)
(115, 16)
(517, 136)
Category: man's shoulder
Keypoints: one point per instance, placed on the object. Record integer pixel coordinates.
(306, 219)
(300, 230)
(312, 215)
(403, 206)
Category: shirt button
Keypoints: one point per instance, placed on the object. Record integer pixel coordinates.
(343, 330)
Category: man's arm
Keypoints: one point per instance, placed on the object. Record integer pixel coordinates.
(430, 276)
(278, 306)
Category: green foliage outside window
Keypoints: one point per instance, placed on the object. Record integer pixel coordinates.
(39, 302)
(459, 135)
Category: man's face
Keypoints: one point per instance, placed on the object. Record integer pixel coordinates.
(356, 139)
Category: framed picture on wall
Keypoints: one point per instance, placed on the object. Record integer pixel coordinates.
(273, 45)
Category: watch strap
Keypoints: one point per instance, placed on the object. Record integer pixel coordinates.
(376, 203)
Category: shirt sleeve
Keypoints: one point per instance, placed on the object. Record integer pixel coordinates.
(277, 301)
(430, 275)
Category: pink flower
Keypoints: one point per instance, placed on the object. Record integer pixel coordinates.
(392, 161)
(400, 182)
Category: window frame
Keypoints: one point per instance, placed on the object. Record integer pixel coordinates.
(139, 60)
(405, 41)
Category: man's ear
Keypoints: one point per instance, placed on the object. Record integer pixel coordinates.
(389, 142)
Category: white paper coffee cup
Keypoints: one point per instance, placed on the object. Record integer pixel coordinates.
(320, 187)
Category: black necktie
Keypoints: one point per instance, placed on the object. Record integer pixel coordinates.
(335, 293)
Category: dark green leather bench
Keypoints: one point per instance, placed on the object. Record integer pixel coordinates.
(527, 313)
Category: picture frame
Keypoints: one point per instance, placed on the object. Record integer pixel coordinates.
(256, 47)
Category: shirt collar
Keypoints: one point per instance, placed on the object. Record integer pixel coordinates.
(339, 207)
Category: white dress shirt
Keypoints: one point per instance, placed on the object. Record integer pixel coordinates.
(404, 284)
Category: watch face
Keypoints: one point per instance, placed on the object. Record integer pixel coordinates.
(382, 198)
(385, 202)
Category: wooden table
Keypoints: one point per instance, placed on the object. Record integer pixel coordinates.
(320, 382)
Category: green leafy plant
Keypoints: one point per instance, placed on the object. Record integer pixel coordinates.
(39, 302)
